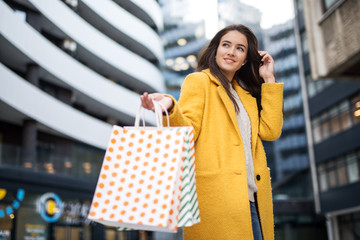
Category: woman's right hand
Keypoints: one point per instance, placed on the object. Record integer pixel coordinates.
(146, 101)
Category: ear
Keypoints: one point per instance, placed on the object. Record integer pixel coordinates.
(244, 62)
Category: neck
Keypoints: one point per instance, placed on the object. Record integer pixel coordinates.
(228, 76)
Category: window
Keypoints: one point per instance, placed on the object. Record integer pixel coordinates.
(349, 226)
(332, 176)
(328, 4)
(325, 125)
(355, 105)
(311, 89)
(316, 130)
(345, 117)
(315, 87)
(352, 165)
(322, 178)
(339, 171)
(339, 118)
(304, 42)
(335, 120)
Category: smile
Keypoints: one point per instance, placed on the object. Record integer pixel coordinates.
(228, 60)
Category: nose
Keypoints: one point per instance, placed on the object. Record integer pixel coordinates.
(231, 51)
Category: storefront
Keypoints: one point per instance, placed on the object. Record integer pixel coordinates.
(28, 215)
(33, 216)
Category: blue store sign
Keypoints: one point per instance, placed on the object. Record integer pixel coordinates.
(9, 210)
(50, 207)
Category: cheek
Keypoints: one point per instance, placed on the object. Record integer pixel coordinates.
(217, 60)
(218, 57)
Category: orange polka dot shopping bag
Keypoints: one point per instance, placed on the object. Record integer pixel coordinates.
(147, 179)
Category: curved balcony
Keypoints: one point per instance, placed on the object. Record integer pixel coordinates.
(147, 11)
(34, 103)
(120, 63)
(21, 44)
(122, 26)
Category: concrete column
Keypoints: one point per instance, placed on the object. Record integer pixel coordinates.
(33, 19)
(29, 133)
(32, 74)
(332, 227)
(64, 95)
(29, 142)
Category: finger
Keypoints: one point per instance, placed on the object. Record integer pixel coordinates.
(147, 101)
(267, 58)
(143, 101)
(262, 53)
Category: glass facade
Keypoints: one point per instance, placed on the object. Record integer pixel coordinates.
(339, 171)
(290, 150)
(349, 226)
(299, 226)
(83, 163)
(338, 118)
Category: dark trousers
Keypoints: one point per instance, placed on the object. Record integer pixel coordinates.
(255, 222)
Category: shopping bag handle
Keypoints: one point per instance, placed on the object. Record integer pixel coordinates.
(158, 115)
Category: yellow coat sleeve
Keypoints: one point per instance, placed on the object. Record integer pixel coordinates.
(188, 111)
(271, 115)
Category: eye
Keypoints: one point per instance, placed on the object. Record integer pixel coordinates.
(225, 45)
(241, 49)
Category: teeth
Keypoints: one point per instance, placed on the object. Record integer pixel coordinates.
(229, 61)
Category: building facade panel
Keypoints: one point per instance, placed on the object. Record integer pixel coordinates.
(105, 93)
(120, 60)
(334, 114)
(333, 27)
(128, 25)
(54, 114)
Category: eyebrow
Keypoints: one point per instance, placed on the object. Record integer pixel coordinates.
(227, 41)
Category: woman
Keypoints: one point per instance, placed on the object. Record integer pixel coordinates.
(233, 103)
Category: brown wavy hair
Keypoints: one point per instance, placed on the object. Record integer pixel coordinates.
(248, 74)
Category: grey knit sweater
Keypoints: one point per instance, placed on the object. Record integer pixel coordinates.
(245, 130)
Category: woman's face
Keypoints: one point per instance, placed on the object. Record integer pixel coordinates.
(231, 53)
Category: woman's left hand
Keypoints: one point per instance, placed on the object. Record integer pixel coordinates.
(266, 70)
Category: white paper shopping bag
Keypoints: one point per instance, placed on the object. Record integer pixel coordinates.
(141, 179)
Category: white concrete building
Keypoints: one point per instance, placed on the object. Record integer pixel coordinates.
(69, 70)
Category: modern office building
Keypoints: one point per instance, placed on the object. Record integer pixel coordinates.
(290, 151)
(69, 70)
(183, 37)
(294, 212)
(328, 38)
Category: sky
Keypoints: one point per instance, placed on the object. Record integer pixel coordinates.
(273, 11)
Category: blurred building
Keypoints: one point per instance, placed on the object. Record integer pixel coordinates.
(291, 149)
(333, 30)
(187, 31)
(236, 12)
(328, 43)
(183, 37)
(294, 212)
(69, 70)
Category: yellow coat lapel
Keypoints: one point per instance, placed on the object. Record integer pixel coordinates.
(226, 100)
(251, 108)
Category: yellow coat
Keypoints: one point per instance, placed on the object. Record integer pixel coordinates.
(221, 178)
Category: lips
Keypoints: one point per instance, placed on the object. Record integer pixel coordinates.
(228, 60)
